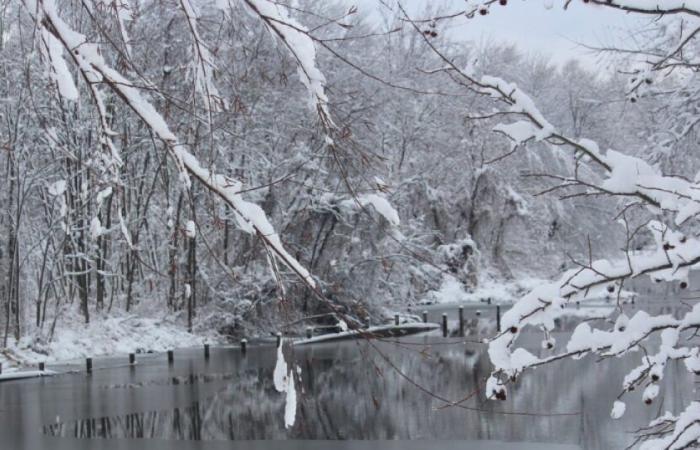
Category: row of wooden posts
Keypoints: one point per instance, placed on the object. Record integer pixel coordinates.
(461, 320)
(170, 354)
(309, 334)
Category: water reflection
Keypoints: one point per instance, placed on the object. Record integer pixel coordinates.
(193, 378)
(179, 423)
(387, 390)
(354, 391)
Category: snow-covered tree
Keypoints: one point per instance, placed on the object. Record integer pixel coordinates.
(655, 197)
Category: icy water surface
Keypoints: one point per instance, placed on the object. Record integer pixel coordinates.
(351, 390)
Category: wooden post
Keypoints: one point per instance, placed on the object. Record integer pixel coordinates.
(444, 324)
(461, 321)
(498, 318)
(425, 316)
(206, 351)
(88, 365)
(279, 339)
(396, 320)
(309, 332)
(171, 356)
(42, 366)
(132, 359)
(244, 345)
(489, 300)
(0, 368)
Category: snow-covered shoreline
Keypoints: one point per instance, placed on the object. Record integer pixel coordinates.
(103, 337)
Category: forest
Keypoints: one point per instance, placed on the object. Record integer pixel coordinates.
(88, 234)
(179, 172)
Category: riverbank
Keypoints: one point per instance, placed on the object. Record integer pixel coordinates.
(104, 336)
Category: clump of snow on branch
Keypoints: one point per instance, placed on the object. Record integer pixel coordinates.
(191, 229)
(96, 229)
(58, 68)
(379, 203)
(618, 409)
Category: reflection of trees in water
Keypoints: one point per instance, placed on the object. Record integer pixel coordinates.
(351, 394)
(179, 423)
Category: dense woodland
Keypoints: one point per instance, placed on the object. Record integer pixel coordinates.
(468, 202)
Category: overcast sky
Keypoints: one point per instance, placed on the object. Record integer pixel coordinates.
(555, 32)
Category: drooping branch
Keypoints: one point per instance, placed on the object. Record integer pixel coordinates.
(250, 217)
(301, 46)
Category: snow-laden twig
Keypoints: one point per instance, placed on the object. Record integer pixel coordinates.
(203, 66)
(297, 40)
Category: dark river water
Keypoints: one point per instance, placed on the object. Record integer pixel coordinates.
(351, 390)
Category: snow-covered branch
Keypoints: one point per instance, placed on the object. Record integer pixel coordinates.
(297, 40)
(203, 65)
(250, 217)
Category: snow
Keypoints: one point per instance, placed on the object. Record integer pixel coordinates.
(380, 204)
(521, 358)
(520, 103)
(250, 217)
(358, 333)
(202, 62)
(627, 173)
(658, 6)
(519, 132)
(59, 70)
(302, 47)
(20, 375)
(125, 230)
(190, 229)
(104, 336)
(499, 291)
(545, 303)
(686, 431)
(57, 188)
(651, 392)
(618, 409)
(102, 195)
(494, 387)
(96, 229)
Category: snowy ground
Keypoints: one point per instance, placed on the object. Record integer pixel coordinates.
(499, 291)
(104, 336)
(120, 334)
